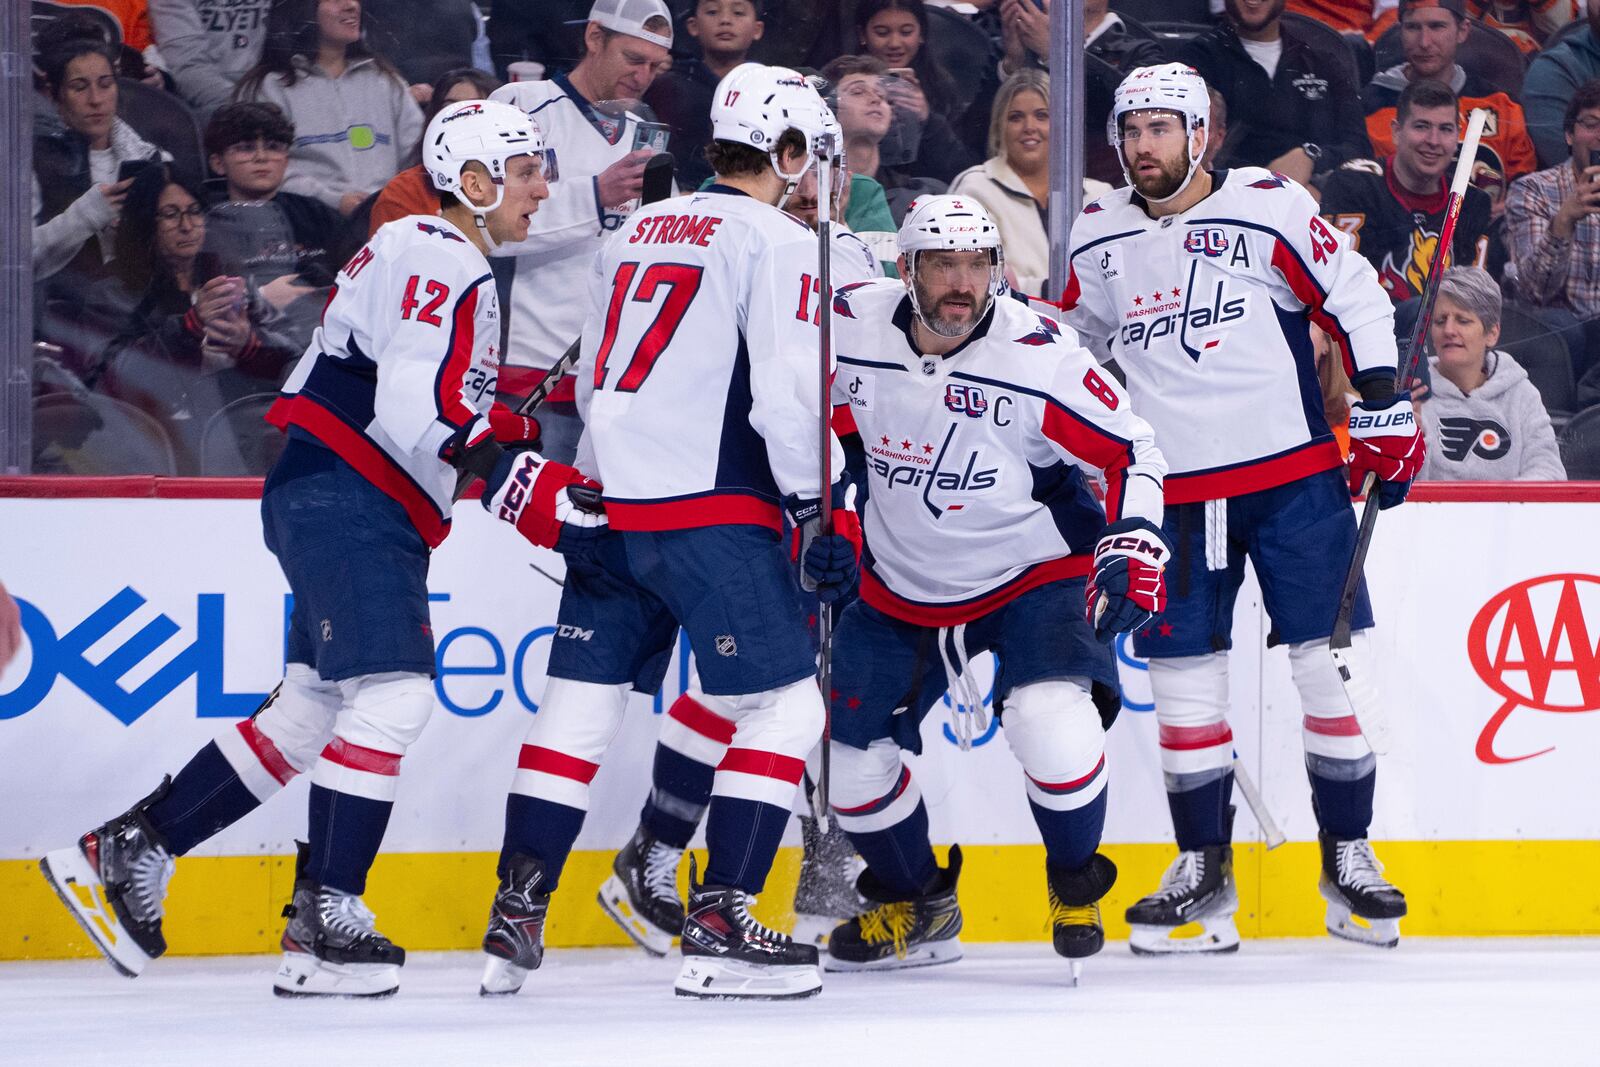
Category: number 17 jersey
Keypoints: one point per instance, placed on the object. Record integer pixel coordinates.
(699, 377)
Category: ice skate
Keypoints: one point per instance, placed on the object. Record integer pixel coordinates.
(728, 955)
(114, 882)
(1197, 888)
(641, 896)
(826, 894)
(1075, 926)
(514, 942)
(330, 947)
(898, 932)
(1362, 906)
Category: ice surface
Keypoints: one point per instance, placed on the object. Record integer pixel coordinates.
(1275, 1002)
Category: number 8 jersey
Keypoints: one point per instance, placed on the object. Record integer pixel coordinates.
(698, 380)
(1206, 314)
(405, 360)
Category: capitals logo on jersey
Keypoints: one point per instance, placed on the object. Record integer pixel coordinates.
(931, 469)
(1198, 315)
(1046, 333)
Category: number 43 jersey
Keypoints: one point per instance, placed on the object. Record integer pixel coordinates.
(406, 358)
(1207, 313)
(699, 379)
(974, 457)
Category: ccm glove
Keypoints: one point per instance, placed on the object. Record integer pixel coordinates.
(828, 562)
(1385, 440)
(1128, 587)
(550, 503)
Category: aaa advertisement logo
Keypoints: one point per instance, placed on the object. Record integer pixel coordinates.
(1531, 644)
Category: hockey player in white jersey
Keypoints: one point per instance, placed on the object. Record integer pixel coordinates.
(392, 398)
(589, 118)
(979, 417)
(699, 384)
(1202, 285)
(641, 895)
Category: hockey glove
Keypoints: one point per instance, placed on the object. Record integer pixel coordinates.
(513, 431)
(550, 503)
(828, 562)
(1128, 588)
(1385, 440)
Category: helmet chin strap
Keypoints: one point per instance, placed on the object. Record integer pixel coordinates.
(791, 182)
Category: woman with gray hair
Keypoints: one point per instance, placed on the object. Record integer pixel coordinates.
(1013, 184)
(1484, 420)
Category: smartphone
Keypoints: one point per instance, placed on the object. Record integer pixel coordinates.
(132, 168)
(1594, 157)
(207, 265)
(900, 72)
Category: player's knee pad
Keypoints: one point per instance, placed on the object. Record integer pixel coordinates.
(1335, 745)
(699, 727)
(871, 788)
(1053, 728)
(1191, 697)
(562, 749)
(283, 738)
(775, 731)
(382, 714)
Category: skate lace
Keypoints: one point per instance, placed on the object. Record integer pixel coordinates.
(1358, 865)
(889, 922)
(1182, 875)
(149, 875)
(661, 871)
(1071, 915)
(751, 925)
(346, 914)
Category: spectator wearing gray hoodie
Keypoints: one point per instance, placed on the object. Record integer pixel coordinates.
(208, 45)
(355, 120)
(1484, 420)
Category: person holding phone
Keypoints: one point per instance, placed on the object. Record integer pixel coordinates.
(79, 154)
(1553, 229)
(918, 89)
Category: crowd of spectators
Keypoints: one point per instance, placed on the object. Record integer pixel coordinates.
(203, 167)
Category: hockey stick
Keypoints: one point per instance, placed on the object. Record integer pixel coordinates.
(1358, 689)
(824, 150)
(1258, 807)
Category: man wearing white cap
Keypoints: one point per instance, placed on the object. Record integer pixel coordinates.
(626, 45)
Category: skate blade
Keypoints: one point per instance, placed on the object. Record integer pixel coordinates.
(501, 977)
(930, 954)
(1377, 933)
(1077, 973)
(706, 978)
(613, 900)
(815, 929)
(1213, 937)
(303, 975)
(78, 885)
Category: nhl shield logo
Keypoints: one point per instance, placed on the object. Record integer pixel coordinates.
(726, 646)
(929, 364)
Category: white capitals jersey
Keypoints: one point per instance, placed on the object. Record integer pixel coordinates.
(1207, 314)
(406, 359)
(550, 283)
(699, 379)
(973, 458)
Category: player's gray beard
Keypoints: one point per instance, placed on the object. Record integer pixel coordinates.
(938, 325)
(1173, 175)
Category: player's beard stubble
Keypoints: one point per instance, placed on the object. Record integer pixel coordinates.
(1160, 186)
(937, 317)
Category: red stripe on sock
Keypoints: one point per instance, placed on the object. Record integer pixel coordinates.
(360, 758)
(267, 752)
(1068, 787)
(701, 719)
(881, 802)
(1187, 738)
(549, 761)
(767, 764)
(1342, 726)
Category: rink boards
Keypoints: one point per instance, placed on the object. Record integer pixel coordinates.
(155, 619)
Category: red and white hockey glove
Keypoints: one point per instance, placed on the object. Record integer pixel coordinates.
(512, 430)
(1128, 588)
(828, 563)
(1385, 440)
(550, 503)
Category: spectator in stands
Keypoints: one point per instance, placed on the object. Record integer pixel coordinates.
(1484, 420)
(354, 117)
(1293, 107)
(1554, 76)
(1360, 17)
(410, 192)
(896, 32)
(209, 45)
(1553, 228)
(681, 98)
(1113, 52)
(423, 38)
(1217, 135)
(547, 32)
(1393, 210)
(1529, 23)
(1432, 32)
(78, 149)
(1013, 184)
(129, 20)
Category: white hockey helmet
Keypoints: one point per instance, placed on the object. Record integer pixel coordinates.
(948, 222)
(755, 104)
(487, 132)
(1174, 87)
